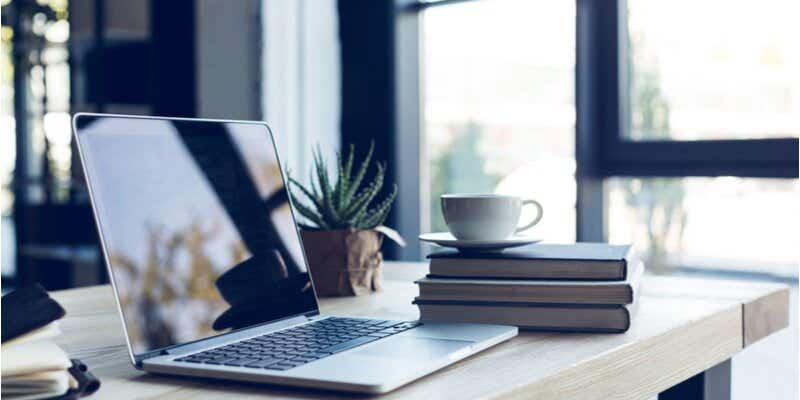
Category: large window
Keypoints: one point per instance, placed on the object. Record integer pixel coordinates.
(498, 104)
(707, 118)
(738, 80)
(632, 121)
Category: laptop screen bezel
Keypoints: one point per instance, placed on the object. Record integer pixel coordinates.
(77, 124)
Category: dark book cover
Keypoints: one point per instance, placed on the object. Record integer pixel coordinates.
(532, 290)
(578, 261)
(600, 318)
(26, 309)
(575, 251)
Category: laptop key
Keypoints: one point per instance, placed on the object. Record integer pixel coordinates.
(300, 345)
(262, 363)
(350, 344)
(289, 364)
(219, 361)
(241, 361)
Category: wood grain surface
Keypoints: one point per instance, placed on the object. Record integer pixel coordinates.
(684, 326)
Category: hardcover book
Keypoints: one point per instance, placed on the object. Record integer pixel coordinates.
(554, 317)
(532, 291)
(579, 261)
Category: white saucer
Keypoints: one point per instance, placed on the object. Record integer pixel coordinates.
(476, 246)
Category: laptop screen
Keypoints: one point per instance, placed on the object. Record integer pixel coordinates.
(196, 226)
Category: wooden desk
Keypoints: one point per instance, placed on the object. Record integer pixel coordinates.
(683, 338)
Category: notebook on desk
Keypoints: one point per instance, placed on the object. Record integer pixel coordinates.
(33, 365)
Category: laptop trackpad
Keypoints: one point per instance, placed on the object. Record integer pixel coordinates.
(417, 348)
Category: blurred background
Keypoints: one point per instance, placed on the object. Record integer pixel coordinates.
(670, 125)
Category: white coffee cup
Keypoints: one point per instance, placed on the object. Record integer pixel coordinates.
(485, 216)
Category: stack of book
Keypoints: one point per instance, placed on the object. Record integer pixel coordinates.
(582, 287)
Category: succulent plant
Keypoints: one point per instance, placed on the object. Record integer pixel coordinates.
(346, 203)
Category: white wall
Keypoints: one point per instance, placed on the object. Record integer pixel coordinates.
(301, 80)
(227, 43)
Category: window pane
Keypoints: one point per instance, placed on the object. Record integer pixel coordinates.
(745, 224)
(735, 78)
(499, 110)
(7, 155)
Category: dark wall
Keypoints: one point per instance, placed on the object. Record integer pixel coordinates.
(367, 35)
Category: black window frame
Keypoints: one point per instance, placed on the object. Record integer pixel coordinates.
(618, 156)
(601, 149)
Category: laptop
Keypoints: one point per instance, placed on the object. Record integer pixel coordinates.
(208, 269)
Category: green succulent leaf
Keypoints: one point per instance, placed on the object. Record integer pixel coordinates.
(380, 212)
(344, 175)
(362, 170)
(341, 183)
(314, 199)
(314, 187)
(348, 166)
(343, 202)
(363, 199)
(309, 214)
(328, 210)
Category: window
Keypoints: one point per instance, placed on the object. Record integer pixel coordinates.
(743, 224)
(653, 110)
(38, 65)
(708, 120)
(7, 156)
(498, 106)
(738, 80)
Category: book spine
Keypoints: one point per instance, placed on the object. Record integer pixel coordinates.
(421, 301)
(526, 295)
(621, 276)
(527, 326)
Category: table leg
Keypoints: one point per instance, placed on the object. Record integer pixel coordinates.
(712, 384)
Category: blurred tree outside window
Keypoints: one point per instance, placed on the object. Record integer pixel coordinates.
(696, 83)
(498, 105)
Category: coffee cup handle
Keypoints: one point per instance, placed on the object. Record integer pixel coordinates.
(539, 214)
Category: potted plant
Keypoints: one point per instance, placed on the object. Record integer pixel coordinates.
(343, 228)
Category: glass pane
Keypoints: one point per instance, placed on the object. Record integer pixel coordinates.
(735, 78)
(499, 106)
(7, 155)
(746, 224)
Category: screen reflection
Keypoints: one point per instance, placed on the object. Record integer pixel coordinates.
(196, 224)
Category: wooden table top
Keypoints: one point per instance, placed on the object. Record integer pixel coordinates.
(684, 326)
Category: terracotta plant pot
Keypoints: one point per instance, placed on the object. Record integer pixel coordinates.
(344, 262)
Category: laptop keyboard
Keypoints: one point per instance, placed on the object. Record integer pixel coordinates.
(293, 347)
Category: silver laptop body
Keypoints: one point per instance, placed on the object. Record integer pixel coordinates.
(203, 251)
